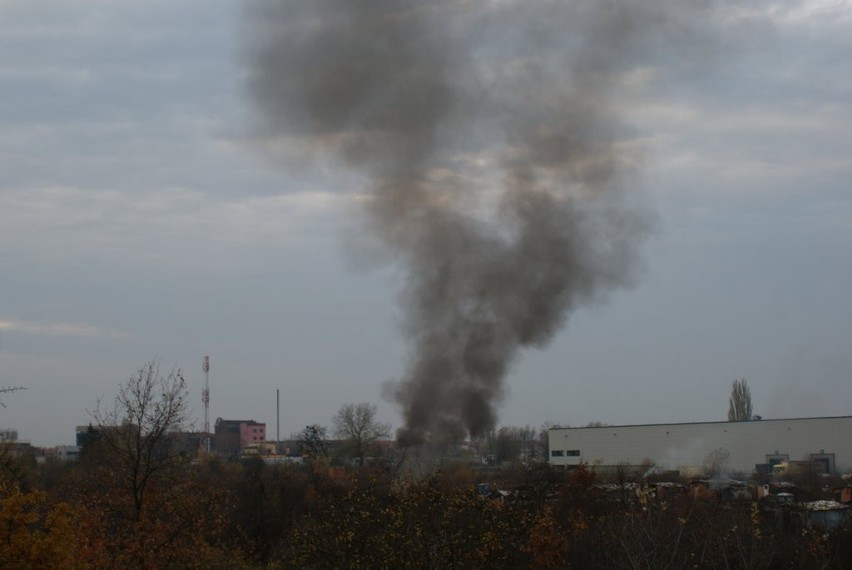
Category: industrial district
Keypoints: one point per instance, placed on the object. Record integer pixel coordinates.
(754, 455)
(743, 493)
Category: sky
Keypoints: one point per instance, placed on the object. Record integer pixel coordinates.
(143, 218)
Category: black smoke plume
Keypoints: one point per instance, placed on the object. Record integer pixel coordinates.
(496, 166)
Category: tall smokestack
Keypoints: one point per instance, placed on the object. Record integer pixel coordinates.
(497, 171)
(277, 421)
(205, 400)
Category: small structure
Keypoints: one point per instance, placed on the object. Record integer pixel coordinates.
(256, 449)
(783, 498)
(724, 489)
(626, 492)
(826, 514)
(668, 489)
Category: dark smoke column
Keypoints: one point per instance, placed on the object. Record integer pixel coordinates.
(496, 168)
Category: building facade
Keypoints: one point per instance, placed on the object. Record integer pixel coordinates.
(67, 452)
(231, 436)
(742, 447)
(8, 435)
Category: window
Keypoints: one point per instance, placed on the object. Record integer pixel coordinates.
(573, 453)
(556, 453)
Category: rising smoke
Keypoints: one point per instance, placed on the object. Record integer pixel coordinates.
(497, 169)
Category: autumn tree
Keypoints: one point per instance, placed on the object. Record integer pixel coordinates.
(134, 432)
(429, 523)
(739, 404)
(37, 534)
(358, 427)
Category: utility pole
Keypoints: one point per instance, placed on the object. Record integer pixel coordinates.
(205, 398)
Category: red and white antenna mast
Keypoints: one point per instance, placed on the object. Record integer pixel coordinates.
(205, 398)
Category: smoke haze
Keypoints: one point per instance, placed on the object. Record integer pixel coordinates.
(495, 165)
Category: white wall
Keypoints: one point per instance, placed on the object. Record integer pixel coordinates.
(687, 446)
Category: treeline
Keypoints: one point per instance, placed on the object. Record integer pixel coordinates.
(136, 500)
(210, 514)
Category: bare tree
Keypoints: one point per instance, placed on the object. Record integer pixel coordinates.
(9, 390)
(8, 461)
(134, 432)
(739, 404)
(312, 442)
(357, 425)
(511, 444)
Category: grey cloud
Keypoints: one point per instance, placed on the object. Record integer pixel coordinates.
(58, 329)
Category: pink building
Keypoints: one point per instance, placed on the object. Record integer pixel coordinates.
(252, 432)
(231, 436)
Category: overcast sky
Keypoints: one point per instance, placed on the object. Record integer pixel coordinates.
(141, 219)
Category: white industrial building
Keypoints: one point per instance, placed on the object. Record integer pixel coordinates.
(691, 447)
